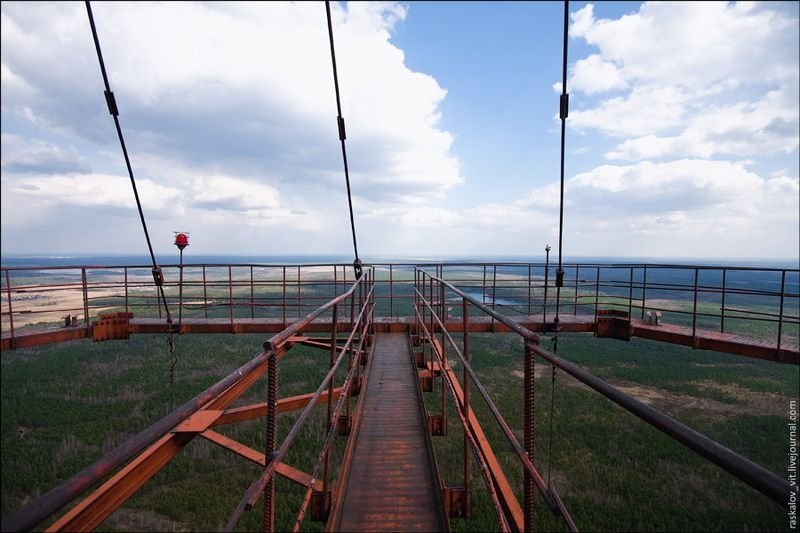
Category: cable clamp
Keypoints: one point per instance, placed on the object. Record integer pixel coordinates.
(564, 111)
(112, 103)
(158, 276)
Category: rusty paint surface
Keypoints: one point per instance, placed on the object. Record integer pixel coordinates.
(199, 421)
(673, 334)
(391, 484)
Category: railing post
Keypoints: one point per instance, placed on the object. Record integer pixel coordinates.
(299, 295)
(180, 292)
(577, 277)
(268, 524)
(529, 290)
(722, 308)
(126, 289)
(644, 290)
(780, 313)
(465, 379)
(10, 310)
(529, 430)
(334, 325)
(230, 294)
(443, 361)
(483, 286)
(84, 283)
(391, 292)
(694, 309)
(630, 296)
(205, 293)
(596, 296)
(432, 332)
(252, 295)
(284, 297)
(544, 303)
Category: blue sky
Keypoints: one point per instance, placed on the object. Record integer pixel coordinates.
(682, 139)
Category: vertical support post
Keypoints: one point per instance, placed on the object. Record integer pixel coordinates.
(84, 284)
(391, 291)
(494, 287)
(299, 295)
(268, 524)
(577, 277)
(443, 361)
(596, 296)
(10, 310)
(180, 292)
(205, 293)
(780, 313)
(544, 303)
(230, 294)
(483, 287)
(126, 289)
(335, 282)
(494, 291)
(644, 290)
(529, 289)
(529, 430)
(465, 379)
(722, 305)
(334, 325)
(284, 297)
(694, 309)
(352, 304)
(630, 295)
(252, 295)
(432, 331)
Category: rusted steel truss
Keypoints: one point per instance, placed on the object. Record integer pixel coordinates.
(145, 454)
(432, 295)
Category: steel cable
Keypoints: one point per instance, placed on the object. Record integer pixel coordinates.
(158, 276)
(342, 137)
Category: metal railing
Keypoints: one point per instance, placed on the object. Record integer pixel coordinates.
(432, 296)
(762, 303)
(150, 450)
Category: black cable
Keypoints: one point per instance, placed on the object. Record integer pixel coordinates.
(563, 112)
(342, 136)
(112, 108)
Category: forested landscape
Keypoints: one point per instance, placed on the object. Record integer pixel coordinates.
(64, 406)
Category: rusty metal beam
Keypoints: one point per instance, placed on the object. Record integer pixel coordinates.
(258, 410)
(92, 511)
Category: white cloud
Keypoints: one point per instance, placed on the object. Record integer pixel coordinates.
(595, 75)
(96, 190)
(692, 43)
(220, 88)
(645, 109)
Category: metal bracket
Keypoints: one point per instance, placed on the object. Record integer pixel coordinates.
(455, 502)
(343, 425)
(355, 386)
(425, 381)
(437, 426)
(320, 505)
(111, 326)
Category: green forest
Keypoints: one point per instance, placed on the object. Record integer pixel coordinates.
(65, 406)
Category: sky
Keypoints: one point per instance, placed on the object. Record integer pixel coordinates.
(682, 137)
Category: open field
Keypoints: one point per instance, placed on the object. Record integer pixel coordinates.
(66, 405)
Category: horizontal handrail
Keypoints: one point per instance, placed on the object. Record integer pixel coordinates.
(44, 506)
(758, 477)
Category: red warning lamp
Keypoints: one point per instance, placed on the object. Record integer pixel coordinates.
(181, 240)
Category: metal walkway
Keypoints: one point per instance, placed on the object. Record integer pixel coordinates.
(391, 482)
